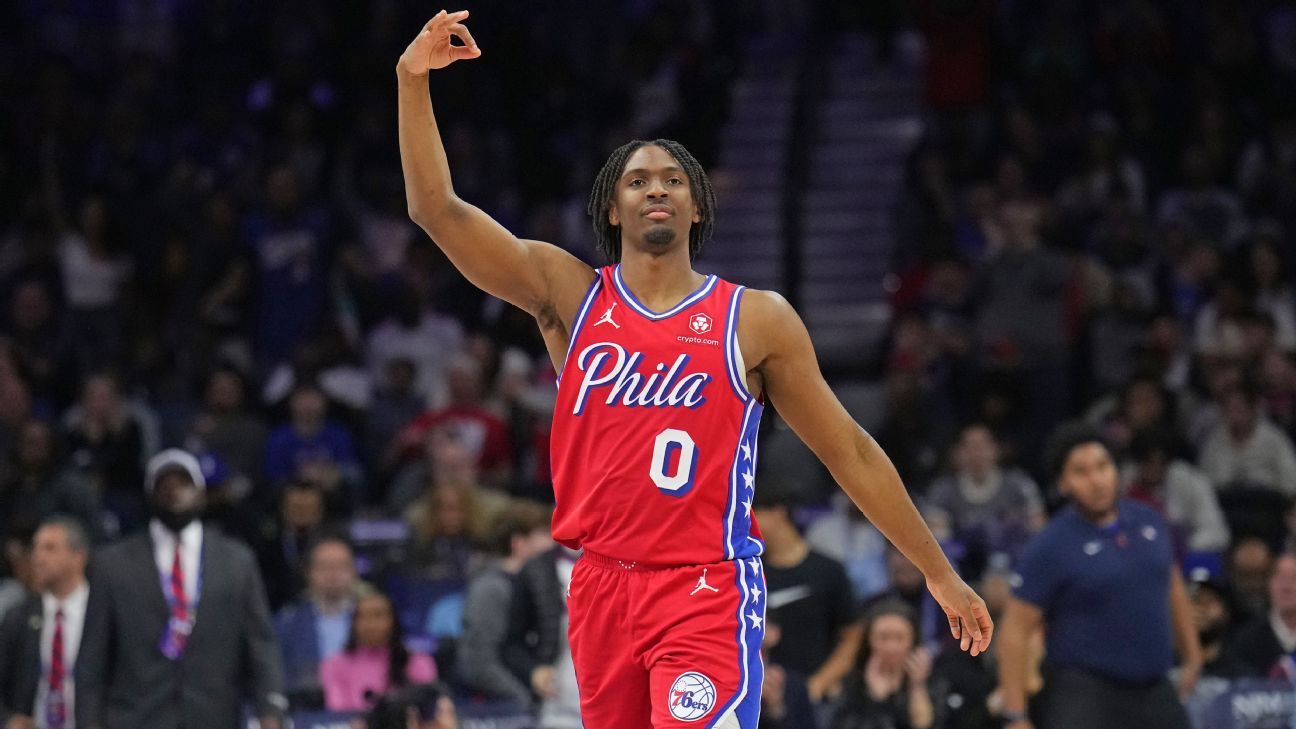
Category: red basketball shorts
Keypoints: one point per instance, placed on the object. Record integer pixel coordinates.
(667, 646)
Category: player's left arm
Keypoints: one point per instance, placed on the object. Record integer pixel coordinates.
(777, 346)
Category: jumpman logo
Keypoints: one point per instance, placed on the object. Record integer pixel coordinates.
(607, 317)
(702, 585)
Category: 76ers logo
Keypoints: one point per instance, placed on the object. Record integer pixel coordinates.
(700, 323)
(691, 696)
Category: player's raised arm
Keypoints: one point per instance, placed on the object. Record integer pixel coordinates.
(528, 274)
(784, 357)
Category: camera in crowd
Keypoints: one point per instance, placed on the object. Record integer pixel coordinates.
(392, 711)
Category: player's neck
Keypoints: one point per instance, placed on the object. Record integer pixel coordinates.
(659, 282)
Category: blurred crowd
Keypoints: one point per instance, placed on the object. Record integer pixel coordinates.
(204, 245)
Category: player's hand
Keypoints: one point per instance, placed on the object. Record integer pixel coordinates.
(431, 48)
(969, 620)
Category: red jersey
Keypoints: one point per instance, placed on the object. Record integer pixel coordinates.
(654, 431)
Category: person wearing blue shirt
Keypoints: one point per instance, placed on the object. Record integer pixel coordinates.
(1102, 583)
(316, 626)
(312, 448)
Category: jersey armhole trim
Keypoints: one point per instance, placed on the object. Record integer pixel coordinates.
(734, 363)
(579, 322)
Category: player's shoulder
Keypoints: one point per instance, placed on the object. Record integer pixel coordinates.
(766, 310)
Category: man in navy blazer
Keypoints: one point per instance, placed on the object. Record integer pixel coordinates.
(317, 625)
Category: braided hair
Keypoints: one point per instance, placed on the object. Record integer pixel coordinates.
(608, 236)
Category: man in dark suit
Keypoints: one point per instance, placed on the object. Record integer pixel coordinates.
(177, 630)
(39, 640)
(1260, 646)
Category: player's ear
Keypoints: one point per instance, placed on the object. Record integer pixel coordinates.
(697, 215)
(613, 217)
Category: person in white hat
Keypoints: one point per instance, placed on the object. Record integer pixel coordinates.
(177, 625)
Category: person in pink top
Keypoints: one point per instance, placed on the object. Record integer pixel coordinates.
(375, 659)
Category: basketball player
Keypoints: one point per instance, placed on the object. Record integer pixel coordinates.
(663, 373)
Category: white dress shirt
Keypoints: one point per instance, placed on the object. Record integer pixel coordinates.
(164, 544)
(74, 611)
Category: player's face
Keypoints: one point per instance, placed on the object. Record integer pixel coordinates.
(1089, 478)
(654, 203)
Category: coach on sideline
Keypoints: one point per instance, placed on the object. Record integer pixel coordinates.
(1102, 582)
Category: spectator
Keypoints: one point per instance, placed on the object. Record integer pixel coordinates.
(449, 522)
(481, 431)
(445, 460)
(36, 486)
(1213, 618)
(393, 405)
(310, 447)
(282, 545)
(1259, 645)
(93, 276)
(106, 444)
(1179, 492)
(40, 640)
(889, 686)
(167, 664)
(494, 659)
(982, 504)
(418, 334)
(542, 585)
(1278, 376)
(821, 629)
(374, 660)
(848, 537)
(14, 589)
(1246, 450)
(1250, 564)
(785, 702)
(1102, 572)
(229, 429)
(315, 627)
(292, 246)
(39, 344)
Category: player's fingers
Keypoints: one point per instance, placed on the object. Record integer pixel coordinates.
(953, 619)
(971, 628)
(428, 25)
(985, 622)
(461, 30)
(460, 53)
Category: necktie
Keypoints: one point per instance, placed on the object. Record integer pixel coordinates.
(56, 707)
(179, 602)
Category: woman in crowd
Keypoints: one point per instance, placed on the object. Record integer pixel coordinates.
(889, 689)
(374, 661)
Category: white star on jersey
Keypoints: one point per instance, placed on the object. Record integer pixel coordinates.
(747, 505)
(607, 317)
(756, 593)
(755, 619)
(748, 478)
(746, 451)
